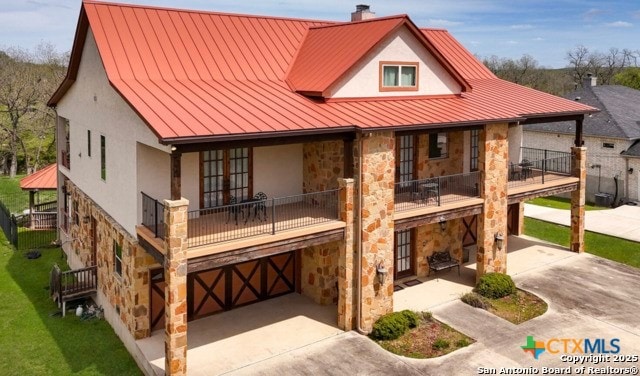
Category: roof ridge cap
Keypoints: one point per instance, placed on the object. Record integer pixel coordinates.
(347, 23)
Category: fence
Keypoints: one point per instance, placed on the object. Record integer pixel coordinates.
(153, 215)
(436, 191)
(25, 229)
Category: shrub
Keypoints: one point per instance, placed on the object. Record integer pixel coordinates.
(495, 285)
(426, 316)
(440, 344)
(412, 318)
(475, 300)
(462, 343)
(393, 325)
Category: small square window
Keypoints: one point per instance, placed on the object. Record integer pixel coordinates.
(397, 76)
(437, 145)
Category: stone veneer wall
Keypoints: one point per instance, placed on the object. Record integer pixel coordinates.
(346, 267)
(323, 164)
(579, 170)
(493, 162)
(430, 238)
(452, 164)
(319, 272)
(128, 293)
(378, 176)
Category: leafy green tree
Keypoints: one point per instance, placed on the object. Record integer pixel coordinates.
(629, 77)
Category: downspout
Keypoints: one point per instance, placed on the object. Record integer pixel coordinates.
(359, 246)
(626, 180)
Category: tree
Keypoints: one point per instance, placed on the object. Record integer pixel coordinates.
(628, 77)
(604, 66)
(27, 79)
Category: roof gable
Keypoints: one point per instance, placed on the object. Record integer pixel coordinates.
(45, 179)
(329, 52)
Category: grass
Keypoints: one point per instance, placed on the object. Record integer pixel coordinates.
(37, 341)
(560, 203)
(429, 339)
(609, 247)
(17, 200)
(518, 308)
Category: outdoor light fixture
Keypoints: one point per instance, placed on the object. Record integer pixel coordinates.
(381, 272)
(499, 240)
(443, 223)
(86, 219)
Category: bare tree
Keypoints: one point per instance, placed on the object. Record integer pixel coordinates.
(26, 81)
(579, 62)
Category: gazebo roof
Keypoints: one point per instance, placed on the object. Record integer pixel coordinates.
(44, 179)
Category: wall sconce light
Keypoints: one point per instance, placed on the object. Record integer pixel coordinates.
(443, 223)
(630, 170)
(499, 240)
(86, 219)
(381, 272)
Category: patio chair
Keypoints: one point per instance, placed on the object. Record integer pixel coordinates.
(261, 205)
(515, 171)
(234, 210)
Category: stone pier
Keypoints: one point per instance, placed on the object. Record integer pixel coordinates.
(175, 269)
(346, 270)
(579, 170)
(493, 162)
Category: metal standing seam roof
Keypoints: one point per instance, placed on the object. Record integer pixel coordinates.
(44, 179)
(193, 75)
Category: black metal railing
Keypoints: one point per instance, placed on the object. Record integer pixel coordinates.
(533, 154)
(50, 206)
(436, 191)
(540, 171)
(255, 217)
(153, 215)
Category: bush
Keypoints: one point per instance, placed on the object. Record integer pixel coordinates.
(475, 300)
(462, 343)
(440, 344)
(393, 325)
(495, 285)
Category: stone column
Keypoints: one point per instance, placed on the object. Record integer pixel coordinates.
(175, 271)
(579, 170)
(519, 211)
(493, 162)
(346, 277)
(378, 177)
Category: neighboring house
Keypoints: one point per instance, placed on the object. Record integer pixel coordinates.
(375, 143)
(612, 137)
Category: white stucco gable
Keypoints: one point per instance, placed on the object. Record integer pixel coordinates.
(363, 80)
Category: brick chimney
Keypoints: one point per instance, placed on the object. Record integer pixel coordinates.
(589, 80)
(362, 13)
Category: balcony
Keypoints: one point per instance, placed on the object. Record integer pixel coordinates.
(252, 218)
(436, 192)
(65, 159)
(540, 172)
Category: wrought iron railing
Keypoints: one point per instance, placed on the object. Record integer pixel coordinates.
(65, 159)
(261, 217)
(50, 206)
(436, 191)
(533, 154)
(153, 215)
(540, 171)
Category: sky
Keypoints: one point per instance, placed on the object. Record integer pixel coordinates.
(543, 29)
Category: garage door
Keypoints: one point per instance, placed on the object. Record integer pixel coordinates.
(231, 286)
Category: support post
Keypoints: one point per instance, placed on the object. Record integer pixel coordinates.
(176, 188)
(579, 170)
(346, 271)
(175, 269)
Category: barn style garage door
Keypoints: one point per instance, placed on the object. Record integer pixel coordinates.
(232, 286)
(227, 287)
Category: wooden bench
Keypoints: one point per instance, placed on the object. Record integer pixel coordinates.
(442, 261)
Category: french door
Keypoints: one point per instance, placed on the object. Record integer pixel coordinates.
(403, 254)
(405, 158)
(224, 174)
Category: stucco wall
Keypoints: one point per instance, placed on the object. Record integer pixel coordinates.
(92, 104)
(610, 160)
(515, 142)
(277, 170)
(364, 79)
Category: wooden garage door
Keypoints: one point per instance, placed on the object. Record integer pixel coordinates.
(470, 230)
(156, 299)
(232, 286)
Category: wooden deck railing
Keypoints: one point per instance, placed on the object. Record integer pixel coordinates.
(72, 284)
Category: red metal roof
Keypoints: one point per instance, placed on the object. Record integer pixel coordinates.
(44, 179)
(193, 75)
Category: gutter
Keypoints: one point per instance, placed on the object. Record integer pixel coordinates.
(359, 245)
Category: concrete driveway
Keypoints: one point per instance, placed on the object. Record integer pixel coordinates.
(588, 297)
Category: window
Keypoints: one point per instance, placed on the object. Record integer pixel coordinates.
(76, 213)
(475, 137)
(103, 158)
(398, 76)
(404, 254)
(437, 145)
(405, 149)
(608, 145)
(65, 154)
(225, 173)
(88, 142)
(117, 258)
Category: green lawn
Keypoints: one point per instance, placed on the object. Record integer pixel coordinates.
(35, 340)
(17, 200)
(559, 203)
(609, 247)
